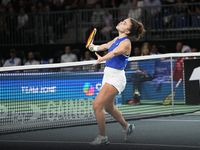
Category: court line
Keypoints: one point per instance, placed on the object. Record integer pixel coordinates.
(73, 142)
(171, 120)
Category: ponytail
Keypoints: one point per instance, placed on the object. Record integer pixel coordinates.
(136, 30)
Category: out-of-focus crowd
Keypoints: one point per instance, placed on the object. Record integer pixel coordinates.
(18, 58)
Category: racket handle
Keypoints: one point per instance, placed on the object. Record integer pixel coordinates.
(179, 82)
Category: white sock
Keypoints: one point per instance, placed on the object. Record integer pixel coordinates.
(102, 136)
(127, 127)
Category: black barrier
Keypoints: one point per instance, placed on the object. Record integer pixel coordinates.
(192, 81)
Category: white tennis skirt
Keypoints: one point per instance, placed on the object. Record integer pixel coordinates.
(114, 77)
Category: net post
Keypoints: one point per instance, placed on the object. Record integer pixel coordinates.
(172, 83)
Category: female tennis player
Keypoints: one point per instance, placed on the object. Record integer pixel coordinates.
(114, 79)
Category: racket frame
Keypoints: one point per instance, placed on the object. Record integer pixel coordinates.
(178, 83)
(91, 39)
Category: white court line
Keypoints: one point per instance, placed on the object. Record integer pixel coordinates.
(73, 142)
(171, 120)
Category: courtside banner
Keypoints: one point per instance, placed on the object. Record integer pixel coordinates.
(192, 81)
(51, 86)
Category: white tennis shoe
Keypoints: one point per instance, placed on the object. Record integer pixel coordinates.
(129, 131)
(100, 140)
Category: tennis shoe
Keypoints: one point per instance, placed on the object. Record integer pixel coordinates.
(129, 131)
(100, 140)
(137, 93)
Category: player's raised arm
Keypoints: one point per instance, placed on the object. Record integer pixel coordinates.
(101, 47)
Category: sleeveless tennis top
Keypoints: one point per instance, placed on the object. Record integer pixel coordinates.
(119, 61)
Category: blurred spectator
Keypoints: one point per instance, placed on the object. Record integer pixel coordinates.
(2, 24)
(5, 2)
(124, 8)
(135, 13)
(22, 4)
(58, 6)
(97, 16)
(194, 50)
(40, 6)
(146, 49)
(48, 25)
(58, 27)
(180, 8)
(97, 19)
(11, 26)
(22, 25)
(132, 65)
(13, 61)
(88, 56)
(180, 48)
(178, 68)
(116, 3)
(153, 15)
(106, 3)
(137, 51)
(91, 3)
(145, 72)
(151, 9)
(193, 10)
(71, 4)
(50, 4)
(154, 49)
(68, 56)
(168, 1)
(108, 22)
(32, 25)
(31, 59)
(141, 3)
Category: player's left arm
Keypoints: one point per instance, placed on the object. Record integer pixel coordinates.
(123, 48)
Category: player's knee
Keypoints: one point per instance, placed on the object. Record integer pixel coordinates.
(96, 107)
(109, 109)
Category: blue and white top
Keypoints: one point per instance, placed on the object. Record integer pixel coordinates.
(119, 61)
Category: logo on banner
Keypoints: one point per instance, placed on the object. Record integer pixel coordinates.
(88, 89)
(195, 75)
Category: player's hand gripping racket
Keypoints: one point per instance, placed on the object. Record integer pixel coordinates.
(91, 38)
(168, 98)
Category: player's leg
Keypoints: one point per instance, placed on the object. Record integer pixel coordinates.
(127, 128)
(112, 110)
(106, 94)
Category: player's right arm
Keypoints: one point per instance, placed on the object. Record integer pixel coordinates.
(102, 47)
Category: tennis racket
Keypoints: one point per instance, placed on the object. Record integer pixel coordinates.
(168, 98)
(91, 38)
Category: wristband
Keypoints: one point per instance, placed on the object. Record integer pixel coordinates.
(95, 48)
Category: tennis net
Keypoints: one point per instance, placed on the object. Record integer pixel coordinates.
(60, 95)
